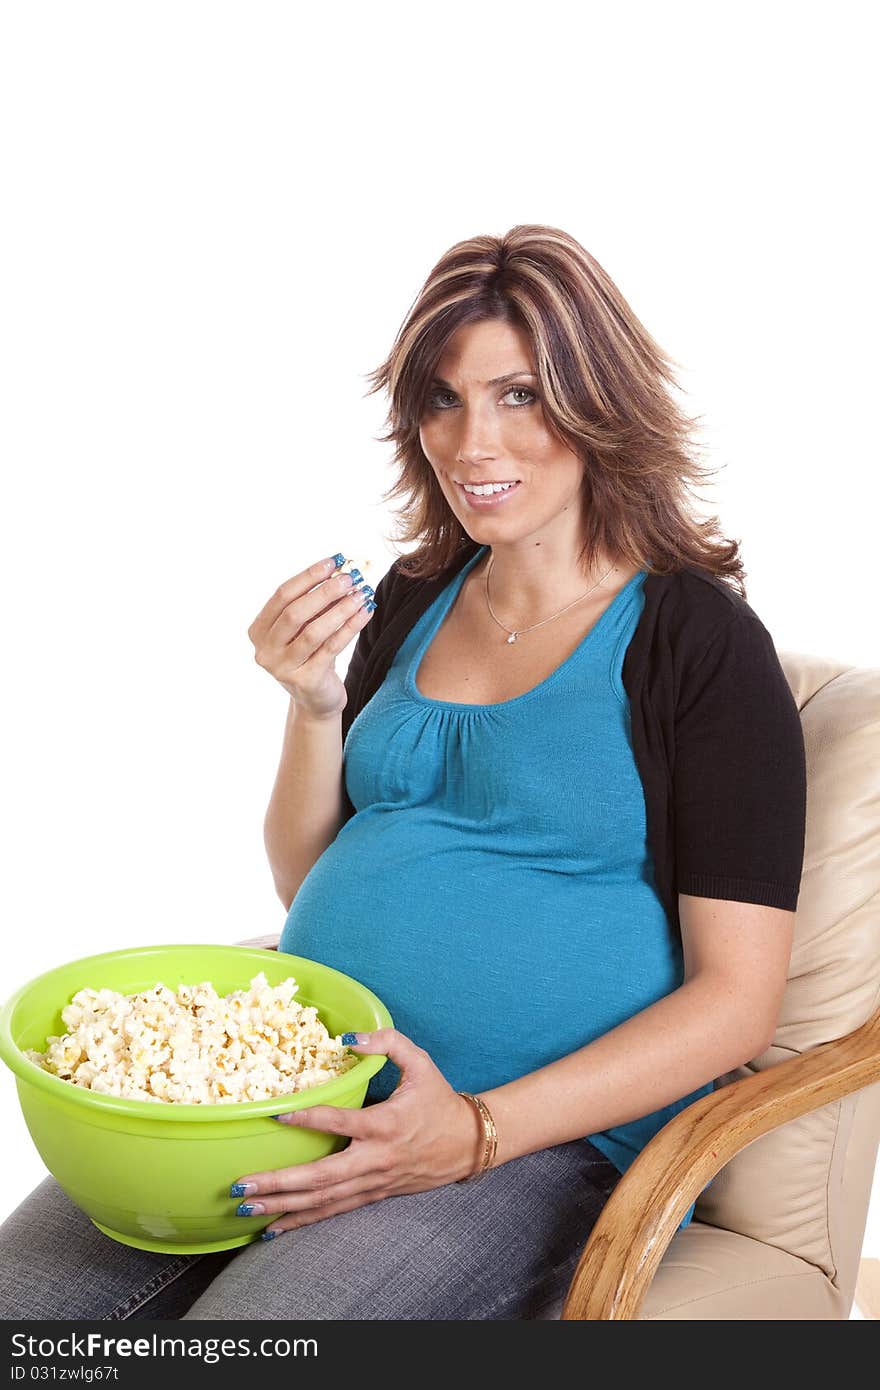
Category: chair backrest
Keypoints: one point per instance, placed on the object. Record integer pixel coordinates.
(806, 1186)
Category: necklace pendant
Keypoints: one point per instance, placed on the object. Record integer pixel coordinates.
(511, 638)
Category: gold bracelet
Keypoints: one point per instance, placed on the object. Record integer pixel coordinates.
(490, 1136)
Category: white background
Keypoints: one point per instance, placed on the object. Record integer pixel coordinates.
(216, 217)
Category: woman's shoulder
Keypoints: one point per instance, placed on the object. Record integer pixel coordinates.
(694, 602)
(705, 649)
(686, 615)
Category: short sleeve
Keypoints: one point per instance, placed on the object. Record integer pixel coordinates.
(739, 773)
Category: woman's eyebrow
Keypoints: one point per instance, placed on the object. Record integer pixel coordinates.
(496, 380)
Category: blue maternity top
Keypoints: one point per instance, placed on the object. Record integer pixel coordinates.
(495, 885)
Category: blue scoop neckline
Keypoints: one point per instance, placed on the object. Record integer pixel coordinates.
(447, 598)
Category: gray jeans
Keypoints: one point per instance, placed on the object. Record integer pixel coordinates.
(502, 1248)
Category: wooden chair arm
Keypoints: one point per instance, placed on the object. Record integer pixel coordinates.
(646, 1207)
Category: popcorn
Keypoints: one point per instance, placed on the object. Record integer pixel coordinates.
(350, 563)
(193, 1047)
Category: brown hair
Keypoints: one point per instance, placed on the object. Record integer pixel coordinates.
(603, 384)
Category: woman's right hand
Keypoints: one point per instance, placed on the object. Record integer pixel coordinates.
(302, 629)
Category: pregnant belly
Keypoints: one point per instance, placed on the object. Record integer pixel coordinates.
(495, 971)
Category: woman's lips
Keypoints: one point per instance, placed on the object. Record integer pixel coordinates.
(493, 499)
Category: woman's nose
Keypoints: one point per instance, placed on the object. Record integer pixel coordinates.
(477, 437)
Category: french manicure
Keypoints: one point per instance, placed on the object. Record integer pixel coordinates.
(241, 1189)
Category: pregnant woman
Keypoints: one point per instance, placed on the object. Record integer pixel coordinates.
(554, 817)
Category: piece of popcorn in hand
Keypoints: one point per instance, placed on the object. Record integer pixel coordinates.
(362, 565)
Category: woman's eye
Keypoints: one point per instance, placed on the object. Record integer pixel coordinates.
(525, 391)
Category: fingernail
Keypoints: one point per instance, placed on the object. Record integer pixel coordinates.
(249, 1209)
(350, 1039)
(269, 1235)
(338, 560)
(356, 575)
(282, 1118)
(241, 1189)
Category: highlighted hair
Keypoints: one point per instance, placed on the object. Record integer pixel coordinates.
(607, 392)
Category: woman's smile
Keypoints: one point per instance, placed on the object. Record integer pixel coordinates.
(482, 501)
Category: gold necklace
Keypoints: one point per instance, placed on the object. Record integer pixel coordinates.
(515, 633)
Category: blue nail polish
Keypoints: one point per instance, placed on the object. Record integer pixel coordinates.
(370, 607)
(238, 1189)
(338, 560)
(244, 1209)
(282, 1118)
(349, 1038)
(356, 575)
(268, 1235)
(367, 590)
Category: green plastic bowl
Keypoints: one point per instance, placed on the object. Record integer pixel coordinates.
(157, 1176)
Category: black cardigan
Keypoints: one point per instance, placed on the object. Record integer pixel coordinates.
(716, 732)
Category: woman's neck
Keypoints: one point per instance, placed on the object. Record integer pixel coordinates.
(529, 588)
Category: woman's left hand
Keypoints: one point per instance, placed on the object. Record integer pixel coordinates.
(424, 1135)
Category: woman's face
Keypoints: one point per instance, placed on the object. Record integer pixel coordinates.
(477, 430)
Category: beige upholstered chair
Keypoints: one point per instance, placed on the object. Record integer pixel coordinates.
(793, 1135)
(790, 1140)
